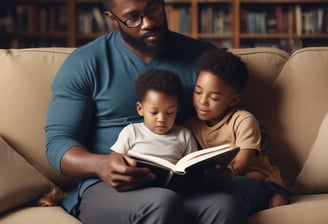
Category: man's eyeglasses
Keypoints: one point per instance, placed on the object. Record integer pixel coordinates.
(136, 20)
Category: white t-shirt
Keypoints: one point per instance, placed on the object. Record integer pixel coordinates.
(171, 146)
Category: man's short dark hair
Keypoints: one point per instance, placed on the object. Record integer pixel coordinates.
(159, 80)
(226, 65)
(108, 4)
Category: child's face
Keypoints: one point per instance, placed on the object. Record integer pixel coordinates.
(212, 97)
(159, 111)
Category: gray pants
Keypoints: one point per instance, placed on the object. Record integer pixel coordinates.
(102, 204)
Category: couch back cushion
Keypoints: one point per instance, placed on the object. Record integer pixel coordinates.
(25, 80)
(296, 110)
(20, 182)
(264, 66)
(289, 96)
(314, 175)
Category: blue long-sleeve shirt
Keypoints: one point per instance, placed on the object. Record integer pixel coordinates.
(94, 95)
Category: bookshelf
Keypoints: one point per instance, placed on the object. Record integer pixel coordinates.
(286, 24)
(26, 23)
(203, 19)
(38, 23)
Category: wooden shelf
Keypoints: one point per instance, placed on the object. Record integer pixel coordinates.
(214, 35)
(220, 21)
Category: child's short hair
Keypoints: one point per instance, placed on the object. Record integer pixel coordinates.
(159, 80)
(226, 65)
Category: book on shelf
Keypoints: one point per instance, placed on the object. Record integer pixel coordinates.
(311, 20)
(324, 22)
(280, 18)
(179, 18)
(214, 20)
(93, 20)
(189, 167)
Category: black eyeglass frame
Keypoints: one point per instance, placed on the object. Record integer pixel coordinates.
(141, 16)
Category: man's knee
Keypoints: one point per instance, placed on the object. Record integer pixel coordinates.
(214, 207)
(226, 210)
(162, 206)
(162, 198)
(102, 204)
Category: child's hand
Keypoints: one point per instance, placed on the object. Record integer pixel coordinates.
(218, 176)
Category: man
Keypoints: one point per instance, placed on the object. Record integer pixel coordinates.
(94, 98)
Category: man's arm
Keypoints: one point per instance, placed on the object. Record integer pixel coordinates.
(117, 170)
(68, 131)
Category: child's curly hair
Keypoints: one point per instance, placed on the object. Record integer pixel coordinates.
(159, 80)
(226, 65)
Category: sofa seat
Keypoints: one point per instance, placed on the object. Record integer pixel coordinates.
(304, 209)
(38, 215)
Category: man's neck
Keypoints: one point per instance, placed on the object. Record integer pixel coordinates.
(146, 56)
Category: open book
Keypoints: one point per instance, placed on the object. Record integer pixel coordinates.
(194, 162)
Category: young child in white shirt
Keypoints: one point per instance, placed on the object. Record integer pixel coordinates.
(158, 94)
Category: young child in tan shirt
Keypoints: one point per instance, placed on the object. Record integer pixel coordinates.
(221, 80)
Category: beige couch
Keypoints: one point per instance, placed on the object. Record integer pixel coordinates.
(287, 92)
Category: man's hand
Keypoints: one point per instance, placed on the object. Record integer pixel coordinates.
(117, 170)
(120, 172)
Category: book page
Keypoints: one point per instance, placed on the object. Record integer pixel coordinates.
(183, 163)
(202, 152)
(229, 152)
(152, 160)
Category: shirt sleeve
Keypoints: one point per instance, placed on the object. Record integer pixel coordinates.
(122, 144)
(191, 143)
(70, 111)
(248, 134)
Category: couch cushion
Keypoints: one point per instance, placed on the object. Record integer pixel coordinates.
(39, 215)
(304, 209)
(314, 175)
(295, 109)
(25, 81)
(20, 182)
(264, 66)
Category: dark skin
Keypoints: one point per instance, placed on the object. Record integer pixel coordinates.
(117, 170)
(147, 41)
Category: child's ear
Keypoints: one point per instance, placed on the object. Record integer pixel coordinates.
(235, 100)
(139, 108)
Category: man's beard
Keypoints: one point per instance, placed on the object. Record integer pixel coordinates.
(142, 47)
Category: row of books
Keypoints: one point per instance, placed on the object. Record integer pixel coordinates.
(53, 18)
(179, 18)
(93, 21)
(285, 19)
(31, 18)
(214, 20)
(287, 44)
(222, 43)
(211, 19)
(313, 20)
